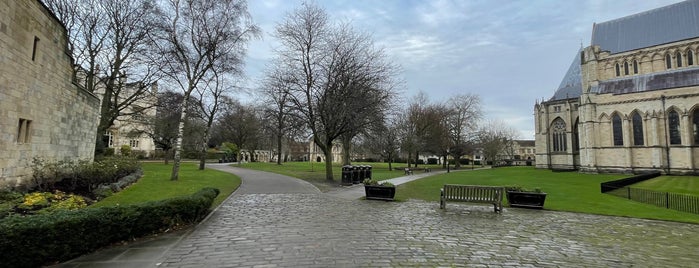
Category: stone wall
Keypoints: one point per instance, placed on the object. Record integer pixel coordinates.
(42, 112)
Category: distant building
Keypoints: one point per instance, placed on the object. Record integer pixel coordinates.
(630, 101)
(43, 112)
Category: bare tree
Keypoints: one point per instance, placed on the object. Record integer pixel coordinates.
(462, 119)
(383, 140)
(108, 40)
(195, 37)
(211, 96)
(337, 76)
(279, 113)
(241, 125)
(494, 137)
(419, 128)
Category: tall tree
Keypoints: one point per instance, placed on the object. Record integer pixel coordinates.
(109, 41)
(193, 38)
(211, 96)
(335, 72)
(241, 125)
(464, 113)
(279, 113)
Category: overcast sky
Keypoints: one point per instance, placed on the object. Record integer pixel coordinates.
(511, 53)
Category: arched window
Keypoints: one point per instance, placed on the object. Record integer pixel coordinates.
(690, 58)
(678, 57)
(635, 67)
(637, 129)
(668, 61)
(695, 126)
(617, 70)
(616, 130)
(558, 135)
(674, 127)
(626, 68)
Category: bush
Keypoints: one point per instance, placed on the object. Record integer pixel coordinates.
(36, 240)
(125, 150)
(432, 161)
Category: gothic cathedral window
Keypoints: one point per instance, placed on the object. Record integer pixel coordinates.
(690, 58)
(674, 127)
(617, 131)
(678, 58)
(637, 129)
(558, 135)
(635, 67)
(668, 62)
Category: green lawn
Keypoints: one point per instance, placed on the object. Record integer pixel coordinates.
(156, 184)
(314, 172)
(672, 184)
(567, 191)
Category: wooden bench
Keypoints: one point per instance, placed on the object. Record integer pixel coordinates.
(408, 171)
(472, 193)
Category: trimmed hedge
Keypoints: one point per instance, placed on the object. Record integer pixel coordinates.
(32, 241)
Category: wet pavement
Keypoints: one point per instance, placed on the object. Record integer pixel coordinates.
(263, 227)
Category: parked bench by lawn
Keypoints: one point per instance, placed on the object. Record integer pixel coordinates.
(409, 171)
(472, 193)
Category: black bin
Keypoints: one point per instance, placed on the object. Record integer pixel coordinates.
(355, 175)
(347, 175)
(368, 172)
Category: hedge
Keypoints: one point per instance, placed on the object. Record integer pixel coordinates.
(31, 241)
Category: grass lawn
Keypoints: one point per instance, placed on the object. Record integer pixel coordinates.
(156, 184)
(672, 184)
(567, 191)
(314, 172)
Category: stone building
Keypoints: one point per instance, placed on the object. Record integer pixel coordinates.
(630, 101)
(130, 127)
(43, 112)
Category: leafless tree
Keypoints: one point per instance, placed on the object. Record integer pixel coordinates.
(464, 113)
(419, 128)
(337, 76)
(108, 41)
(383, 140)
(241, 125)
(211, 96)
(283, 121)
(494, 137)
(195, 37)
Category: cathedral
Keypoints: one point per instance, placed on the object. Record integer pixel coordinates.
(629, 102)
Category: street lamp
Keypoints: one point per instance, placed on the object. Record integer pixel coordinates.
(447, 158)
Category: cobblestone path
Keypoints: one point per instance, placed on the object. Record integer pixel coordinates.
(318, 230)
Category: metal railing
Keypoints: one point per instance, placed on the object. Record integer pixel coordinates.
(675, 201)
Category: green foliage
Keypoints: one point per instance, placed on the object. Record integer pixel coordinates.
(36, 240)
(377, 183)
(125, 150)
(81, 176)
(43, 202)
(229, 148)
(108, 151)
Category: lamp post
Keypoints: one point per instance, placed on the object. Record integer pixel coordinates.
(447, 158)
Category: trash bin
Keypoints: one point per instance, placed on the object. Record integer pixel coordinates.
(355, 175)
(368, 172)
(346, 175)
(363, 172)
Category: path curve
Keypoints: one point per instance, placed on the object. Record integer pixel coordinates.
(261, 182)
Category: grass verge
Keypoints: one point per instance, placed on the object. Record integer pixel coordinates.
(567, 191)
(156, 184)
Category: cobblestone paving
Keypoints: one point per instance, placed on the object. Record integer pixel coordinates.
(317, 230)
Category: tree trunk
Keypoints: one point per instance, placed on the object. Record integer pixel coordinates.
(346, 144)
(329, 164)
(457, 161)
(417, 157)
(279, 149)
(407, 160)
(444, 163)
(178, 144)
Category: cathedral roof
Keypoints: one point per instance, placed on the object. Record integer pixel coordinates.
(658, 26)
(571, 86)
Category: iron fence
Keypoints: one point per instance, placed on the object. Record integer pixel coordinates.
(675, 201)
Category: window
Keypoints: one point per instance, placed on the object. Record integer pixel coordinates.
(617, 131)
(556, 108)
(678, 58)
(24, 131)
(617, 70)
(690, 58)
(558, 134)
(668, 62)
(635, 67)
(36, 42)
(674, 127)
(695, 125)
(133, 143)
(108, 138)
(637, 129)
(626, 68)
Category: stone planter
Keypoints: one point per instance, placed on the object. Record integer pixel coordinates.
(526, 199)
(376, 192)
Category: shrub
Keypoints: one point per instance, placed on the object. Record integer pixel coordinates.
(125, 150)
(432, 161)
(32, 241)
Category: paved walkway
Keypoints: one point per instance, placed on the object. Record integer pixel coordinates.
(266, 227)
